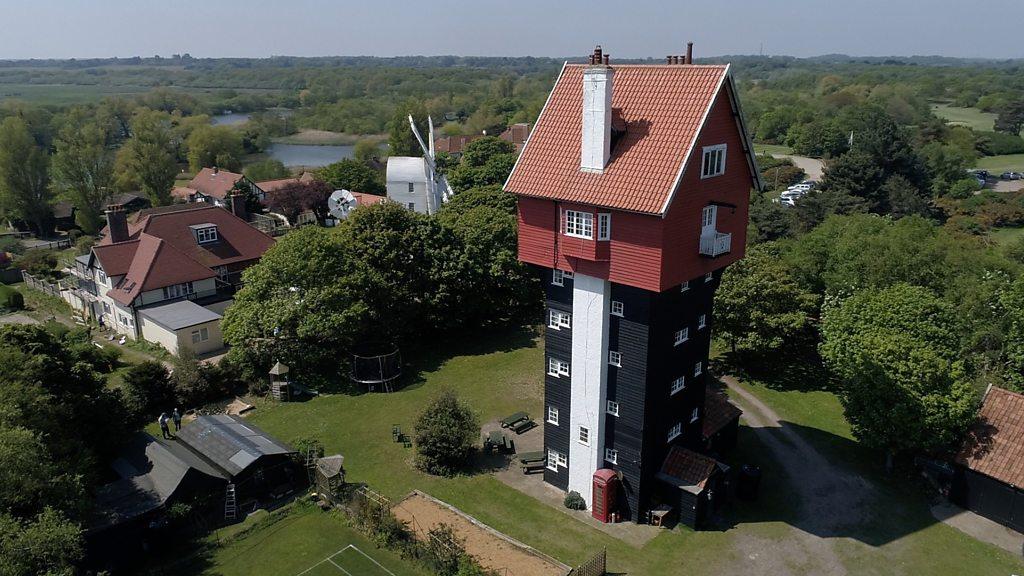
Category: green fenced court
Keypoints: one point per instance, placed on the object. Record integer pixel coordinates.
(349, 560)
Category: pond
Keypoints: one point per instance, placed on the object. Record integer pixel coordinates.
(307, 155)
(229, 119)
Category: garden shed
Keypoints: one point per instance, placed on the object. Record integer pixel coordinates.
(693, 484)
(330, 476)
(721, 422)
(182, 324)
(989, 476)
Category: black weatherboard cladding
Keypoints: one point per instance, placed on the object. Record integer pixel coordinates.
(644, 335)
(557, 390)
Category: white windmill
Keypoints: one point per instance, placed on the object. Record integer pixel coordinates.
(340, 204)
(437, 185)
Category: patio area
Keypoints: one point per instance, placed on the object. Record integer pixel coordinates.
(533, 485)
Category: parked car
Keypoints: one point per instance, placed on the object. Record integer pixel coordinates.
(1011, 176)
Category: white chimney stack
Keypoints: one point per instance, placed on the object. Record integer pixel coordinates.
(597, 113)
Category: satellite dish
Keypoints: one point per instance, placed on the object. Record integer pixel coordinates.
(340, 203)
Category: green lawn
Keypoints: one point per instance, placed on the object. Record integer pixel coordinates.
(970, 117)
(999, 164)
(772, 149)
(65, 94)
(1004, 236)
(503, 374)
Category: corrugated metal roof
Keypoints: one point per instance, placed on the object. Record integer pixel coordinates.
(229, 443)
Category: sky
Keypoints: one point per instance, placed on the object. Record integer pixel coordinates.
(557, 28)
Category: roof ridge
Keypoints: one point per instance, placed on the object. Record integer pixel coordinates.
(993, 387)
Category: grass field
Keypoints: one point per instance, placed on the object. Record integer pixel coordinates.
(63, 94)
(1005, 236)
(1000, 164)
(970, 117)
(503, 374)
(772, 149)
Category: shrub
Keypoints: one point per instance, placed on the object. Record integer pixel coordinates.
(999, 143)
(573, 501)
(74, 234)
(445, 434)
(84, 245)
(39, 262)
(11, 299)
(147, 390)
(195, 383)
(11, 244)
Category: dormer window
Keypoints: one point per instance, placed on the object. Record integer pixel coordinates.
(579, 224)
(205, 233)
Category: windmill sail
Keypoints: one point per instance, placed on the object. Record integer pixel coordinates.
(438, 188)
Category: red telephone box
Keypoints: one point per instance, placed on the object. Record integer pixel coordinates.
(606, 486)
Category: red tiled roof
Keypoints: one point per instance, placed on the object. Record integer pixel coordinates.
(453, 144)
(718, 412)
(115, 259)
(216, 184)
(183, 193)
(274, 185)
(662, 107)
(689, 467)
(995, 444)
(364, 199)
(516, 133)
(238, 240)
(157, 264)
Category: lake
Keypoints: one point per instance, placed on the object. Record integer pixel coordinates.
(306, 155)
(229, 119)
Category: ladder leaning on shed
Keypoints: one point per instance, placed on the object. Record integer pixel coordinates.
(230, 507)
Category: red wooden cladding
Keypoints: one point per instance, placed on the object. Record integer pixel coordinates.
(651, 252)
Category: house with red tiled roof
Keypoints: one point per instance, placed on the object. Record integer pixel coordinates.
(214, 185)
(632, 194)
(517, 135)
(168, 274)
(989, 476)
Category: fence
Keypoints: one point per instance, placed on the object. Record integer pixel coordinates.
(49, 244)
(40, 285)
(596, 566)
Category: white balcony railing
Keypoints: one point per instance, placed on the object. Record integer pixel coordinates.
(715, 244)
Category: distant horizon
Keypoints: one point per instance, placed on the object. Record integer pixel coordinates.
(66, 29)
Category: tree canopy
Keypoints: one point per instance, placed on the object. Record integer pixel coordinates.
(353, 175)
(24, 176)
(147, 159)
(83, 168)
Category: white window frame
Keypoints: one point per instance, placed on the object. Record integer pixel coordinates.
(678, 385)
(611, 455)
(682, 335)
(618, 309)
(695, 415)
(178, 290)
(698, 369)
(556, 459)
(201, 335)
(684, 286)
(615, 358)
(702, 321)
(713, 161)
(709, 277)
(709, 217)
(552, 415)
(583, 435)
(557, 367)
(612, 408)
(604, 226)
(579, 224)
(101, 276)
(207, 235)
(675, 431)
(557, 277)
(558, 319)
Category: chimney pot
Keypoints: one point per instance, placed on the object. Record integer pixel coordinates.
(597, 114)
(607, 59)
(668, 59)
(689, 52)
(215, 169)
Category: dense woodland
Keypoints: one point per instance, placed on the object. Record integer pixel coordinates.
(884, 276)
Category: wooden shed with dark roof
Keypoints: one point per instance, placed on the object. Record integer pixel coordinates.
(989, 477)
(693, 485)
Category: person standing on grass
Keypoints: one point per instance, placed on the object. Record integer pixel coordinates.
(176, 416)
(163, 426)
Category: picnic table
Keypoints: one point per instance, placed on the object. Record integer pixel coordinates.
(498, 440)
(533, 461)
(514, 419)
(523, 426)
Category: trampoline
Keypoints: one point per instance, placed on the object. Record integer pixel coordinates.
(376, 365)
